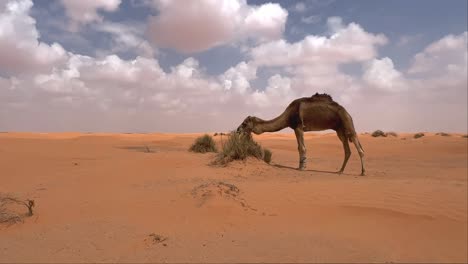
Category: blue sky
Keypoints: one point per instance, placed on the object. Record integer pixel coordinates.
(140, 65)
(423, 21)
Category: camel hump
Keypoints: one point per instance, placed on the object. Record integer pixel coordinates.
(321, 97)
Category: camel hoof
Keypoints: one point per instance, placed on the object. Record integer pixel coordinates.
(340, 172)
(363, 174)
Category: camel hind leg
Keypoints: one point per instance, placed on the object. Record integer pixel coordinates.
(341, 135)
(356, 142)
(350, 133)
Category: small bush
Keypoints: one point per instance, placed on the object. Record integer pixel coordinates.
(418, 135)
(11, 211)
(204, 144)
(465, 136)
(379, 133)
(239, 147)
(267, 155)
(393, 134)
(443, 134)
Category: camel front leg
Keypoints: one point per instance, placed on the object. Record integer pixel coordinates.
(301, 148)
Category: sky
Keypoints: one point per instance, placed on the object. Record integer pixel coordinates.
(203, 66)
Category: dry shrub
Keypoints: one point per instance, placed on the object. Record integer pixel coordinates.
(443, 134)
(465, 136)
(393, 134)
(379, 133)
(204, 144)
(239, 147)
(418, 135)
(12, 210)
(156, 238)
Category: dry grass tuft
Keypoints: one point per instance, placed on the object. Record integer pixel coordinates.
(239, 147)
(156, 238)
(204, 144)
(379, 133)
(12, 209)
(443, 134)
(418, 135)
(393, 134)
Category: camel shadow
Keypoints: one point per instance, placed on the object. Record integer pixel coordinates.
(321, 171)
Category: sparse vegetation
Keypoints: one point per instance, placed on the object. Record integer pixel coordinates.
(465, 136)
(239, 147)
(379, 133)
(156, 239)
(204, 144)
(443, 134)
(418, 135)
(10, 209)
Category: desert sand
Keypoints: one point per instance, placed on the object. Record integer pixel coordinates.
(145, 198)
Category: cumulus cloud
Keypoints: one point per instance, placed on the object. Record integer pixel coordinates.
(238, 78)
(194, 26)
(83, 12)
(70, 91)
(448, 54)
(313, 63)
(381, 75)
(126, 38)
(20, 49)
(347, 44)
(277, 92)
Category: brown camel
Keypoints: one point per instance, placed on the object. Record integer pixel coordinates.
(315, 113)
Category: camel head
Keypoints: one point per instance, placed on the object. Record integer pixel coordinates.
(247, 126)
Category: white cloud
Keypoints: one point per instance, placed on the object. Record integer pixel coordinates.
(75, 92)
(300, 7)
(127, 37)
(265, 22)
(238, 78)
(194, 26)
(277, 92)
(20, 50)
(448, 54)
(381, 75)
(87, 11)
(347, 44)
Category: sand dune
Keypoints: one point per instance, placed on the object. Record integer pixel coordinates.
(145, 198)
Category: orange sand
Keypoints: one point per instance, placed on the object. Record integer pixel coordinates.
(100, 196)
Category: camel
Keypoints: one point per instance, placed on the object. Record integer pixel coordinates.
(315, 113)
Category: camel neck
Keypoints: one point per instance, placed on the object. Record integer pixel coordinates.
(273, 125)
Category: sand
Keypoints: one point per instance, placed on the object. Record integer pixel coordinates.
(145, 198)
